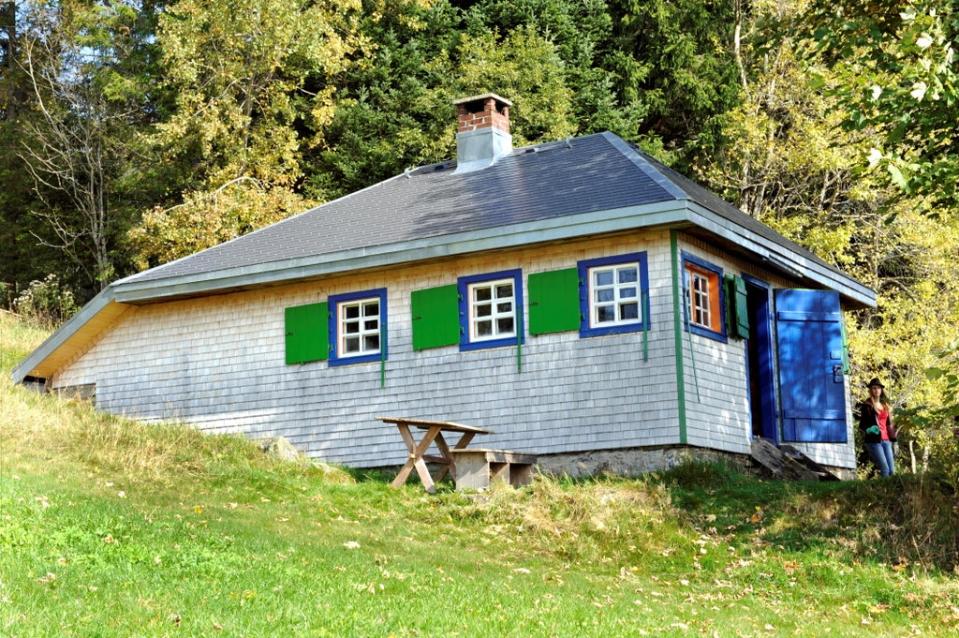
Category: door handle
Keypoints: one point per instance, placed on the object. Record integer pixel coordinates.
(837, 376)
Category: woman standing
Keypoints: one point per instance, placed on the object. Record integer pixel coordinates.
(875, 420)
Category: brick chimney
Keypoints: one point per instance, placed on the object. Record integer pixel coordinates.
(482, 134)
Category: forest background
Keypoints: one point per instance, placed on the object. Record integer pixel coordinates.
(136, 132)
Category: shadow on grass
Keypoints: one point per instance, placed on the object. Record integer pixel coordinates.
(899, 520)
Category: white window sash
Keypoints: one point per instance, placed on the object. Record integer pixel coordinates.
(495, 314)
(616, 287)
(700, 310)
(363, 330)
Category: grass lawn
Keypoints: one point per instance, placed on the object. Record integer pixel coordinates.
(109, 528)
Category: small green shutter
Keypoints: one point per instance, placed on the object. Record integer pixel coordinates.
(436, 320)
(742, 309)
(729, 281)
(307, 333)
(737, 308)
(554, 301)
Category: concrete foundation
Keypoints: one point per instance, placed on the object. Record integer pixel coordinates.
(634, 461)
(638, 461)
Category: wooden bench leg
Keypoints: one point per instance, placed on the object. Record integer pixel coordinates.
(450, 467)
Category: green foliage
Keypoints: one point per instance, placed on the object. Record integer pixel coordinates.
(898, 74)
(252, 84)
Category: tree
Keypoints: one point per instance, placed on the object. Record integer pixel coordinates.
(84, 107)
(253, 84)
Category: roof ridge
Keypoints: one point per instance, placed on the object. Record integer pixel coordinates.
(641, 161)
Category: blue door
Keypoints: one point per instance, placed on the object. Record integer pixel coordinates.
(811, 382)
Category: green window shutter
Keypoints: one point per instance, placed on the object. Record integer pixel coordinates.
(436, 319)
(307, 333)
(729, 281)
(554, 301)
(742, 309)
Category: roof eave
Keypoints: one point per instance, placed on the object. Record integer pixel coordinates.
(856, 294)
(566, 227)
(67, 330)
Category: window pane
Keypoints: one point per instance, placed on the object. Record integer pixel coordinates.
(629, 310)
(351, 327)
(482, 294)
(504, 325)
(371, 310)
(352, 312)
(700, 283)
(352, 344)
(504, 290)
(603, 277)
(606, 313)
(627, 293)
(370, 324)
(484, 328)
(504, 307)
(484, 310)
(371, 342)
(607, 294)
(627, 275)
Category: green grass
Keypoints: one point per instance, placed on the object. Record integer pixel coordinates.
(110, 528)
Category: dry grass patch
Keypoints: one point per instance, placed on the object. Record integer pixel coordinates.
(601, 518)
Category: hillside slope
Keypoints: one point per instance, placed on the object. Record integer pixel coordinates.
(110, 528)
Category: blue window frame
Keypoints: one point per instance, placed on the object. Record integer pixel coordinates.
(613, 295)
(704, 308)
(491, 309)
(358, 327)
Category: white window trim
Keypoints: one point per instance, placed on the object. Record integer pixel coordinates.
(495, 314)
(363, 333)
(696, 296)
(594, 305)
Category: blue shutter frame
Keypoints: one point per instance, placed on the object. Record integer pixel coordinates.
(811, 382)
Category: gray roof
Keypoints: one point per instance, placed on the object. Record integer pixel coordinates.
(581, 187)
(586, 174)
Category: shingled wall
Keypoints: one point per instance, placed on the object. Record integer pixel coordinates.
(218, 362)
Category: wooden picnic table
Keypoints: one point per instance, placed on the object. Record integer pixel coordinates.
(417, 450)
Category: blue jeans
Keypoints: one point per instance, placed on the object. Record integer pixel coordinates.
(881, 454)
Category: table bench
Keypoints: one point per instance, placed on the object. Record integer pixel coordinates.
(479, 468)
(417, 450)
